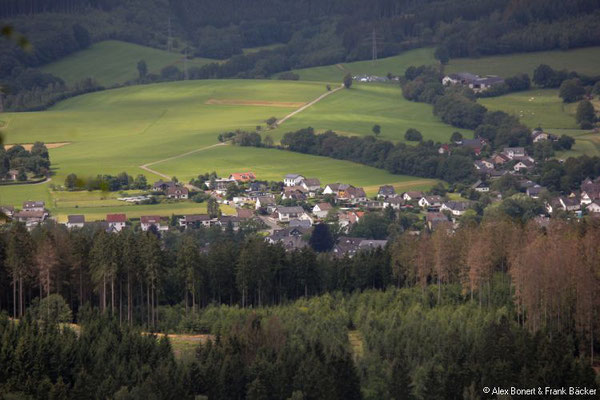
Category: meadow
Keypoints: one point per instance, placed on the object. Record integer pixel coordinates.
(538, 107)
(113, 62)
(584, 60)
(380, 67)
(121, 129)
(356, 110)
(586, 143)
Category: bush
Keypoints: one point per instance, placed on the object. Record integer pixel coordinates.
(52, 309)
(413, 135)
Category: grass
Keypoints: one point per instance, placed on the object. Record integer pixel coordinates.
(111, 62)
(120, 129)
(396, 65)
(538, 107)
(356, 110)
(584, 60)
(586, 143)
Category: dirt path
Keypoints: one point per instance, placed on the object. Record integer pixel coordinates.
(304, 107)
(146, 167)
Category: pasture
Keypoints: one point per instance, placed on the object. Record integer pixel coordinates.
(112, 62)
(538, 107)
(586, 143)
(121, 129)
(380, 67)
(584, 60)
(354, 111)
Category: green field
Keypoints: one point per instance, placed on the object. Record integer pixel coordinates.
(585, 61)
(586, 143)
(538, 107)
(122, 129)
(396, 65)
(112, 62)
(356, 110)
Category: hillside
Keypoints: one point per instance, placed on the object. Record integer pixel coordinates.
(112, 62)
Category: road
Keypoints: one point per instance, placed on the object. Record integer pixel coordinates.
(304, 107)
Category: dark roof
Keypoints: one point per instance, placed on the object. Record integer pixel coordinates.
(356, 192)
(290, 210)
(76, 219)
(457, 205)
(312, 182)
(177, 190)
(33, 204)
(386, 190)
(196, 218)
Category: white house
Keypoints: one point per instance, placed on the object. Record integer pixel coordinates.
(514, 152)
(409, 196)
(116, 222)
(311, 184)
(480, 186)
(457, 208)
(292, 179)
(430, 202)
(593, 207)
(34, 206)
(523, 164)
(285, 214)
(475, 82)
(75, 221)
(395, 202)
(177, 192)
(152, 220)
(322, 209)
(538, 136)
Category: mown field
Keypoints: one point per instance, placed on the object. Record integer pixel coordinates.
(586, 143)
(111, 62)
(585, 61)
(396, 65)
(356, 110)
(119, 130)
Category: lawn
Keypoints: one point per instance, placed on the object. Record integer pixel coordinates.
(538, 107)
(356, 110)
(586, 143)
(396, 65)
(584, 60)
(111, 62)
(271, 164)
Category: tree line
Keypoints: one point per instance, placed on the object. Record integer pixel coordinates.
(35, 161)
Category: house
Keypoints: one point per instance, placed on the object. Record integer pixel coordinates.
(444, 149)
(476, 144)
(228, 220)
(569, 203)
(499, 159)
(345, 219)
(291, 238)
(395, 202)
(349, 246)
(293, 193)
(456, 208)
(353, 195)
(243, 176)
(311, 184)
(177, 192)
(535, 191)
(322, 209)
(430, 202)
(148, 221)
(116, 222)
(31, 218)
(220, 185)
(480, 186)
(267, 203)
(475, 82)
(514, 152)
(301, 223)
(373, 204)
(195, 220)
(292, 179)
(590, 191)
(483, 165)
(410, 196)
(161, 186)
(9, 211)
(334, 188)
(523, 164)
(538, 136)
(369, 244)
(285, 214)
(75, 221)
(12, 174)
(34, 206)
(386, 191)
(435, 219)
(593, 207)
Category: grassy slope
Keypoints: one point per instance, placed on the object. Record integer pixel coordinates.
(113, 61)
(396, 65)
(585, 61)
(355, 111)
(121, 129)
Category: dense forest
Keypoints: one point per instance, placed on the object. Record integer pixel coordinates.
(440, 315)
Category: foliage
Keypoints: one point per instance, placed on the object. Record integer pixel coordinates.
(413, 135)
(585, 112)
(51, 309)
(36, 161)
(571, 90)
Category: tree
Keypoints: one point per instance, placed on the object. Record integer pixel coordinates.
(268, 141)
(71, 181)
(21, 176)
(82, 36)
(347, 81)
(413, 135)
(376, 129)
(571, 90)
(585, 112)
(142, 69)
(456, 137)
(271, 121)
(212, 208)
(321, 239)
(19, 259)
(544, 75)
(441, 54)
(187, 262)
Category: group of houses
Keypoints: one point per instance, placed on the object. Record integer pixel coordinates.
(474, 82)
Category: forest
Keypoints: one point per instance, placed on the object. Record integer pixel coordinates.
(439, 315)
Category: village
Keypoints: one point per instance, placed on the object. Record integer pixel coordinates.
(286, 211)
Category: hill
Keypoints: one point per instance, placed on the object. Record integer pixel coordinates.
(122, 129)
(112, 62)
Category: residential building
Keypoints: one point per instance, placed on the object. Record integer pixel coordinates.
(593, 207)
(147, 221)
(244, 213)
(34, 206)
(480, 186)
(334, 188)
(349, 246)
(267, 203)
(285, 214)
(410, 196)
(195, 220)
(430, 202)
(353, 195)
(395, 202)
(12, 174)
(9, 211)
(242, 176)
(161, 186)
(523, 164)
(386, 191)
(292, 179)
(311, 184)
(538, 136)
(177, 192)
(457, 208)
(435, 219)
(321, 210)
(116, 222)
(535, 191)
(75, 221)
(569, 203)
(474, 82)
(514, 152)
(291, 238)
(476, 144)
(31, 218)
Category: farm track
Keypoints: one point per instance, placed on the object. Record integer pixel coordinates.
(146, 167)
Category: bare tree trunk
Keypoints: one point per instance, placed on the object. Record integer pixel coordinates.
(129, 297)
(21, 308)
(112, 295)
(14, 283)
(120, 301)
(148, 302)
(104, 293)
